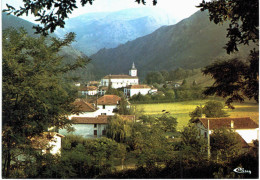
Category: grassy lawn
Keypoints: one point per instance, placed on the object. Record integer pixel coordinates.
(181, 110)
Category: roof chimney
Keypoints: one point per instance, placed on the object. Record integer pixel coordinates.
(232, 124)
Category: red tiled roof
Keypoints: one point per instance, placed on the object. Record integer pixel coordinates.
(90, 120)
(108, 100)
(140, 86)
(120, 76)
(84, 106)
(225, 122)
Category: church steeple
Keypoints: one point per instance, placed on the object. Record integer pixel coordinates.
(133, 70)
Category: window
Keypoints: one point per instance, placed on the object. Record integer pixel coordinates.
(95, 132)
(104, 106)
(95, 125)
(104, 132)
(103, 113)
(205, 134)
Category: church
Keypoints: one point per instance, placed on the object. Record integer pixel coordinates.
(121, 80)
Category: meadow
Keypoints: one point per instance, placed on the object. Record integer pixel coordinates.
(181, 110)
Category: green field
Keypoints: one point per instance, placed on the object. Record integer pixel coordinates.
(181, 110)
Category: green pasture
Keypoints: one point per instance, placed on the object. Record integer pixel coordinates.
(181, 110)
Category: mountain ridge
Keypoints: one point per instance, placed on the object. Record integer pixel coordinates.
(192, 43)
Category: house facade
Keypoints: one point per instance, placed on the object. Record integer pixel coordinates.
(122, 80)
(88, 90)
(48, 142)
(131, 90)
(92, 127)
(244, 126)
(108, 104)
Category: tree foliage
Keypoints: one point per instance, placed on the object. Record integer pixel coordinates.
(225, 143)
(35, 94)
(211, 109)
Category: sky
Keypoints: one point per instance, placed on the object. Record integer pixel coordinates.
(180, 9)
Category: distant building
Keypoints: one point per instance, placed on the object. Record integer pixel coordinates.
(94, 83)
(244, 126)
(123, 80)
(144, 89)
(102, 90)
(88, 90)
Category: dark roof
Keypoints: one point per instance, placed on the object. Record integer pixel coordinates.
(120, 76)
(84, 106)
(139, 86)
(90, 120)
(108, 100)
(88, 88)
(225, 122)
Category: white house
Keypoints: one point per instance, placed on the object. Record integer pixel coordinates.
(131, 90)
(48, 142)
(122, 80)
(88, 90)
(108, 104)
(92, 127)
(244, 126)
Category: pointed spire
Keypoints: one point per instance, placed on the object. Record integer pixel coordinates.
(133, 66)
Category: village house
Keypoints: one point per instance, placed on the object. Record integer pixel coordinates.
(122, 80)
(144, 89)
(102, 90)
(88, 90)
(108, 104)
(93, 127)
(244, 126)
(48, 142)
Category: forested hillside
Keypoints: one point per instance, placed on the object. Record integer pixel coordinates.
(192, 43)
(69, 53)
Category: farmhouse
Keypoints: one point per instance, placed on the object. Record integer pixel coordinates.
(244, 126)
(144, 89)
(92, 127)
(122, 80)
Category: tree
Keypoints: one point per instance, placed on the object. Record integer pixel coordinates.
(51, 14)
(225, 143)
(242, 77)
(124, 107)
(238, 80)
(194, 147)
(118, 129)
(35, 93)
(211, 109)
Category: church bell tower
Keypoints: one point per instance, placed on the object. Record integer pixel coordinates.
(133, 70)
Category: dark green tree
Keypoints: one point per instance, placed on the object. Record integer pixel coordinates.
(194, 147)
(225, 143)
(35, 93)
(211, 109)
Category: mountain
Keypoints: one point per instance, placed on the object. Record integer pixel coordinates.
(109, 29)
(192, 43)
(69, 53)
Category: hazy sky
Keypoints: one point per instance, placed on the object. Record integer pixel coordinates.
(180, 9)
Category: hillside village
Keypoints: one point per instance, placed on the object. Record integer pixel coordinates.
(167, 103)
